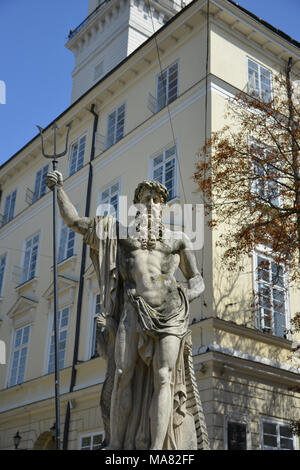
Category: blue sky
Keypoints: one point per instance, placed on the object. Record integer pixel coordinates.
(37, 68)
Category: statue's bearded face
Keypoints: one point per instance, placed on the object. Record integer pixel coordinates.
(149, 215)
(152, 202)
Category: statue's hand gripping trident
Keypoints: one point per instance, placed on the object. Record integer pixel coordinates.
(54, 178)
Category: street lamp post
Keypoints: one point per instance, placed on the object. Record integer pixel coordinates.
(53, 431)
(54, 158)
(17, 439)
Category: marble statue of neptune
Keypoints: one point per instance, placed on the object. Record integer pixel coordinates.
(149, 399)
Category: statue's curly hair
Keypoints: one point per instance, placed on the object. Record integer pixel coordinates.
(153, 186)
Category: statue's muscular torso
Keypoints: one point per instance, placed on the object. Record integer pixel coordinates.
(150, 272)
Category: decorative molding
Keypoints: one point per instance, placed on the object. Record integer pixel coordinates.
(27, 286)
(242, 330)
(252, 23)
(66, 265)
(268, 35)
(234, 353)
(23, 311)
(66, 291)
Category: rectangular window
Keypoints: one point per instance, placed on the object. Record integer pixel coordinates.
(272, 296)
(19, 356)
(236, 436)
(109, 200)
(96, 311)
(115, 126)
(9, 208)
(2, 271)
(40, 183)
(164, 170)
(167, 87)
(77, 155)
(30, 258)
(92, 442)
(66, 242)
(259, 81)
(277, 436)
(63, 323)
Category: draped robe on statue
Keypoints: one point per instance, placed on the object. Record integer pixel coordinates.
(186, 429)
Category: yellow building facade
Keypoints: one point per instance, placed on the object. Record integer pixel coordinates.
(125, 130)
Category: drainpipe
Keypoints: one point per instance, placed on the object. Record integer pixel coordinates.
(81, 281)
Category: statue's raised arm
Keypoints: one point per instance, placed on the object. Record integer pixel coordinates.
(67, 210)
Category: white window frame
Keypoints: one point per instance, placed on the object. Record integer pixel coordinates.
(3, 265)
(51, 335)
(111, 194)
(152, 168)
(160, 106)
(27, 278)
(40, 186)
(91, 435)
(78, 143)
(254, 91)
(278, 423)
(15, 349)
(9, 207)
(265, 252)
(115, 139)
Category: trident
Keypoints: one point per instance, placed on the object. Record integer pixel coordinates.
(54, 157)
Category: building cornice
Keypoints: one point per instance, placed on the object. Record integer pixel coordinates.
(65, 283)
(34, 404)
(263, 43)
(245, 331)
(106, 10)
(228, 363)
(238, 16)
(85, 28)
(24, 397)
(283, 35)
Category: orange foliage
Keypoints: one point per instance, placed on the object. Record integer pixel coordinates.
(249, 177)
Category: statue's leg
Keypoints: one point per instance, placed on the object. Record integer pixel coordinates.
(125, 357)
(165, 356)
